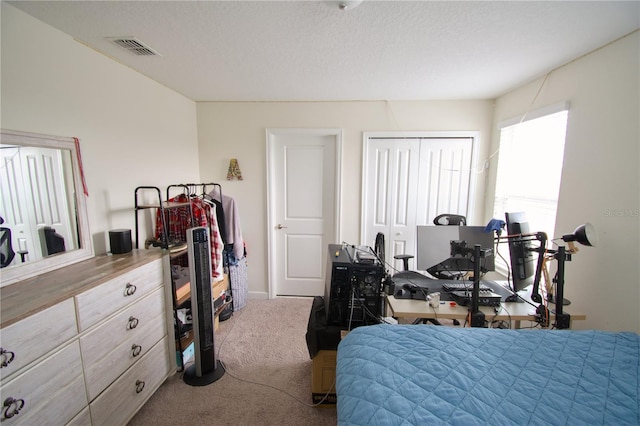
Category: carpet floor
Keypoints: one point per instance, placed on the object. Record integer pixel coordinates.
(267, 379)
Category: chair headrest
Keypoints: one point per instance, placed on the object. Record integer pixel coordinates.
(450, 219)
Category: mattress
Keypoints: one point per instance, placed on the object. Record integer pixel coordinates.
(429, 375)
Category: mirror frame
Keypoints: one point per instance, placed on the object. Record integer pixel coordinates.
(36, 267)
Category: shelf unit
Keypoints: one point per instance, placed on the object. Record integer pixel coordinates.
(180, 287)
(163, 207)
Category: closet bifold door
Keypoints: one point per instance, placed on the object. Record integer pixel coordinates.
(390, 185)
(445, 178)
(408, 180)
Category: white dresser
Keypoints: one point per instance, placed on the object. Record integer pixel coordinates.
(86, 344)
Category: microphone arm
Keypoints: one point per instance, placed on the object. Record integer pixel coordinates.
(535, 291)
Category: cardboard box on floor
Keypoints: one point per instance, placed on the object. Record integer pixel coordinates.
(323, 378)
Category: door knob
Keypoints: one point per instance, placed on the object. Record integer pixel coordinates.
(281, 227)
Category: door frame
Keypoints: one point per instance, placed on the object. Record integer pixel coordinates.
(271, 134)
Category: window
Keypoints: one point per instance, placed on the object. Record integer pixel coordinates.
(530, 168)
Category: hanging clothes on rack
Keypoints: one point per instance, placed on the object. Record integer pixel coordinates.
(233, 230)
(178, 220)
(219, 217)
(234, 249)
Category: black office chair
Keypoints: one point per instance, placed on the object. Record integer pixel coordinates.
(453, 220)
(450, 219)
(6, 250)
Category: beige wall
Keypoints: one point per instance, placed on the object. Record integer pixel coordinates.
(238, 130)
(600, 180)
(133, 131)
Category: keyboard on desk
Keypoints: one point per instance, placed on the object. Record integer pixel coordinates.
(462, 286)
(505, 294)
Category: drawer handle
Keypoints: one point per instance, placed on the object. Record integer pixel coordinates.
(139, 386)
(129, 290)
(136, 349)
(7, 357)
(12, 407)
(133, 323)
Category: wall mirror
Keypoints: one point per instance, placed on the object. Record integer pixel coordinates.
(42, 206)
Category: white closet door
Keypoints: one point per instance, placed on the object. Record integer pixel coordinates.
(409, 181)
(390, 188)
(445, 176)
(44, 204)
(15, 208)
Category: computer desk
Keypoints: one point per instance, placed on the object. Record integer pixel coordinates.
(508, 311)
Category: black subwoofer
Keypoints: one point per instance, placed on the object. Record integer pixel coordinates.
(120, 241)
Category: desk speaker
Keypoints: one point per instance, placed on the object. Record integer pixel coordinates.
(120, 241)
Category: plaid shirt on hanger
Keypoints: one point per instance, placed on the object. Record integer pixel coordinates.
(178, 220)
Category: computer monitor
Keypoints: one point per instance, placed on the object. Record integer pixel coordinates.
(434, 248)
(522, 251)
(54, 242)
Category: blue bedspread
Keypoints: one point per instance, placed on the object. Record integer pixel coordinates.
(428, 375)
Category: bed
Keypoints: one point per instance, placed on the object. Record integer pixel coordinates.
(429, 375)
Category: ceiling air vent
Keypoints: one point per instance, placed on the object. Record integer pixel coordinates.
(134, 46)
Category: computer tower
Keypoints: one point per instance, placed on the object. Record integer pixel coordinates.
(353, 287)
(206, 368)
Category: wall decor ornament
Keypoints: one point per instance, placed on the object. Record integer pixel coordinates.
(234, 170)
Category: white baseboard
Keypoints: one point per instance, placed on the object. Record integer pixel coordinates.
(262, 295)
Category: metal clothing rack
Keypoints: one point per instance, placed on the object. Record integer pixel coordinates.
(225, 260)
(177, 251)
(162, 207)
(201, 190)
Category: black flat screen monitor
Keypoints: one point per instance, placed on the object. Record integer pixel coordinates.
(522, 254)
(54, 242)
(434, 248)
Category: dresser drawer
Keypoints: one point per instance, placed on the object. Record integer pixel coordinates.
(29, 339)
(117, 404)
(111, 348)
(98, 303)
(52, 392)
(82, 419)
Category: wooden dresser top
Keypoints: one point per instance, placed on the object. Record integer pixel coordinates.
(25, 298)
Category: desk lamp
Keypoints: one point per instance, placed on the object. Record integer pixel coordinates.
(584, 234)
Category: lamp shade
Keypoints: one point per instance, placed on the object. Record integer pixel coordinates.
(584, 234)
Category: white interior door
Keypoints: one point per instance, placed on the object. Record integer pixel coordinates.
(408, 179)
(303, 195)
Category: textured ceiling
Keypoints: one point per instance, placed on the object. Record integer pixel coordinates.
(309, 50)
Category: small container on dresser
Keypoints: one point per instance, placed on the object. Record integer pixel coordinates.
(87, 344)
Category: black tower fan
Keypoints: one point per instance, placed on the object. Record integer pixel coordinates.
(206, 368)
